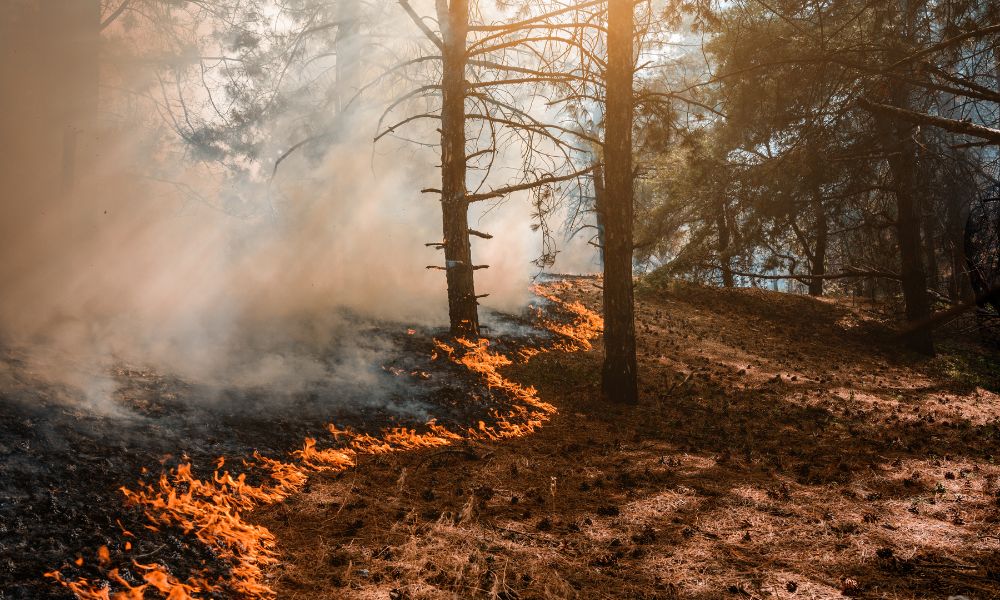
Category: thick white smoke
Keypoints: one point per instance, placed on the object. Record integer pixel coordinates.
(154, 258)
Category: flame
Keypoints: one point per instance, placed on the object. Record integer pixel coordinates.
(155, 576)
(214, 510)
(586, 325)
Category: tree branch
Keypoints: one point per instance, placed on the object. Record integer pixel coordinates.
(952, 125)
(536, 19)
(419, 22)
(958, 39)
(500, 192)
(392, 128)
(849, 272)
(114, 15)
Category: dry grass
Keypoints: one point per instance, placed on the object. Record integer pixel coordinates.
(777, 452)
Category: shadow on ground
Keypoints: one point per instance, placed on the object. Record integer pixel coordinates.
(784, 447)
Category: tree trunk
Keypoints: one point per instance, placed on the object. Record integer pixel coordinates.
(348, 48)
(598, 209)
(619, 372)
(914, 279)
(818, 263)
(897, 141)
(722, 223)
(817, 258)
(960, 289)
(462, 308)
(930, 247)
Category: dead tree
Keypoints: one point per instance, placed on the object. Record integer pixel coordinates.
(463, 315)
(477, 62)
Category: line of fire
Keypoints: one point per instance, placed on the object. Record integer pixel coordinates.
(506, 300)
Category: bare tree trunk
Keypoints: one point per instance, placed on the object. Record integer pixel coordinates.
(722, 223)
(462, 308)
(619, 373)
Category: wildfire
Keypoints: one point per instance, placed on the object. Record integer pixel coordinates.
(214, 510)
(586, 324)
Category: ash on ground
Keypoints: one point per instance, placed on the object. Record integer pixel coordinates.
(62, 463)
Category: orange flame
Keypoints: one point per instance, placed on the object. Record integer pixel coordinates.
(214, 510)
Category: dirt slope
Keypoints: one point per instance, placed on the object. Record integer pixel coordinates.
(780, 450)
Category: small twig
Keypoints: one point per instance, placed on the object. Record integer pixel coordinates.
(152, 552)
(671, 389)
(344, 503)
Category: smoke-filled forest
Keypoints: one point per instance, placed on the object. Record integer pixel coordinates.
(503, 299)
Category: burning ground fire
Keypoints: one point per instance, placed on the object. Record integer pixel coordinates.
(215, 510)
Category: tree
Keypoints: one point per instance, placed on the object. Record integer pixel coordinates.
(619, 373)
(853, 140)
(473, 72)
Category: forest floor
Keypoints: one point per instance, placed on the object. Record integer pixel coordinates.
(783, 448)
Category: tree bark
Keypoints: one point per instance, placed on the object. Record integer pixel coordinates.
(895, 131)
(598, 209)
(988, 134)
(989, 296)
(818, 262)
(817, 259)
(619, 372)
(463, 315)
(930, 247)
(914, 279)
(722, 223)
(960, 288)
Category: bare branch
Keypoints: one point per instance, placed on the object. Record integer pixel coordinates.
(392, 128)
(419, 22)
(114, 15)
(500, 192)
(507, 27)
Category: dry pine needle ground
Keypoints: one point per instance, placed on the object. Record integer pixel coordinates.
(778, 452)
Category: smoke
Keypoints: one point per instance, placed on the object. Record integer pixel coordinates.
(118, 245)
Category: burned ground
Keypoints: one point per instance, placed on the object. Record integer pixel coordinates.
(783, 447)
(62, 464)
